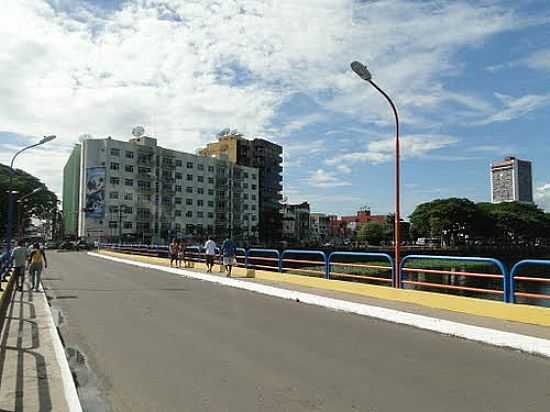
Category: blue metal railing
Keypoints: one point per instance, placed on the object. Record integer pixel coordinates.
(504, 275)
(514, 276)
(384, 256)
(323, 255)
(273, 255)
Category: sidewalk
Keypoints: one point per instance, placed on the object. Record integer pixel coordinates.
(32, 376)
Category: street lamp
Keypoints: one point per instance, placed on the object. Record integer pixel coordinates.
(20, 209)
(9, 226)
(364, 73)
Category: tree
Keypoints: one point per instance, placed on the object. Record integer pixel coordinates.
(453, 220)
(39, 205)
(372, 232)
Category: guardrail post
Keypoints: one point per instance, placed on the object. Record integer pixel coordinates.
(246, 258)
(280, 262)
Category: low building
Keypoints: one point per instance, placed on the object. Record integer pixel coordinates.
(319, 226)
(138, 191)
(296, 222)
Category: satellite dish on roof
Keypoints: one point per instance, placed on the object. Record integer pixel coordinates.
(138, 131)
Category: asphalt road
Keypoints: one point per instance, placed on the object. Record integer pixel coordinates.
(158, 342)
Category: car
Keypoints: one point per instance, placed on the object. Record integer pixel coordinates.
(82, 245)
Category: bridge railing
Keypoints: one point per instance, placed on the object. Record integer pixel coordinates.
(361, 266)
(526, 281)
(268, 259)
(308, 262)
(502, 278)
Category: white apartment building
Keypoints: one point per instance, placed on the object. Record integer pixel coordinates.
(139, 191)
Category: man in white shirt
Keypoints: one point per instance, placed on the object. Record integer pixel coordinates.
(19, 259)
(210, 253)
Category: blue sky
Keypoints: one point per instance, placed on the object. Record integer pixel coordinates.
(470, 79)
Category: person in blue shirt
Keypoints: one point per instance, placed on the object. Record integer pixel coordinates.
(229, 251)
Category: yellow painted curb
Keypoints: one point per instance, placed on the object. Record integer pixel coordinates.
(534, 315)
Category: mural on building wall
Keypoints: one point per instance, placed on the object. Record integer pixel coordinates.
(95, 192)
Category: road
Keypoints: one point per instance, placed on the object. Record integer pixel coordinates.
(158, 342)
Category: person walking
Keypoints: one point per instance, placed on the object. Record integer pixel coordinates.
(19, 260)
(210, 253)
(173, 251)
(229, 251)
(37, 262)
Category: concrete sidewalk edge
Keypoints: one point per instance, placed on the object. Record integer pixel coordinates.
(69, 387)
(524, 343)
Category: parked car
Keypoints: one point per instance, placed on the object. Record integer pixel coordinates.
(82, 245)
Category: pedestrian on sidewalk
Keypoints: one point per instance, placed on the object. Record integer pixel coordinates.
(210, 253)
(229, 252)
(19, 260)
(173, 251)
(37, 262)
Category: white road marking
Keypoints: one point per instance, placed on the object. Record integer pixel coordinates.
(524, 343)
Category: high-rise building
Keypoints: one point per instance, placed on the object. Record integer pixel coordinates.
(511, 180)
(267, 158)
(139, 191)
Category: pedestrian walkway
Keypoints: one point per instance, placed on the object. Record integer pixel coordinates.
(523, 320)
(32, 376)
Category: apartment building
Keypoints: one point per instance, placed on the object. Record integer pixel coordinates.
(138, 191)
(511, 180)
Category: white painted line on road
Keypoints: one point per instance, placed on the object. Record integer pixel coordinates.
(69, 388)
(529, 344)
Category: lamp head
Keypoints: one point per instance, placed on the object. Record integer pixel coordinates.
(361, 70)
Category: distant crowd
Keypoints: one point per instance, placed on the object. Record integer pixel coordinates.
(227, 254)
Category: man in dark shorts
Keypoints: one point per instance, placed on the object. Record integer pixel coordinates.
(210, 254)
(173, 251)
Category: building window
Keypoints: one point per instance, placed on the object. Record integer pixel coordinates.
(254, 187)
(115, 152)
(200, 202)
(189, 165)
(113, 195)
(128, 196)
(166, 200)
(189, 202)
(211, 180)
(245, 196)
(253, 218)
(114, 180)
(178, 188)
(200, 166)
(245, 185)
(210, 215)
(245, 206)
(113, 209)
(128, 225)
(211, 169)
(200, 190)
(253, 197)
(210, 192)
(200, 214)
(245, 175)
(129, 155)
(129, 182)
(129, 168)
(189, 214)
(179, 175)
(253, 176)
(200, 179)
(178, 163)
(178, 200)
(177, 213)
(189, 178)
(253, 207)
(128, 210)
(113, 224)
(115, 166)
(189, 189)
(210, 203)
(143, 184)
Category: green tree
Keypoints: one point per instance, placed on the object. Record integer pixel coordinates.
(372, 233)
(453, 220)
(38, 205)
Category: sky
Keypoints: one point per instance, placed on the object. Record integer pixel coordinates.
(470, 80)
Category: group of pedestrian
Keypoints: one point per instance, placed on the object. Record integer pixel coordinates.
(226, 254)
(33, 259)
(178, 254)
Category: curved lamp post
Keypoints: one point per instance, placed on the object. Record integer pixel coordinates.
(9, 226)
(364, 73)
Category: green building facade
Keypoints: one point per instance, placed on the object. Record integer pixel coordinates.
(71, 192)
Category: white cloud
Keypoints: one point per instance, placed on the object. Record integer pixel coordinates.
(185, 69)
(514, 108)
(542, 196)
(324, 179)
(539, 60)
(380, 151)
